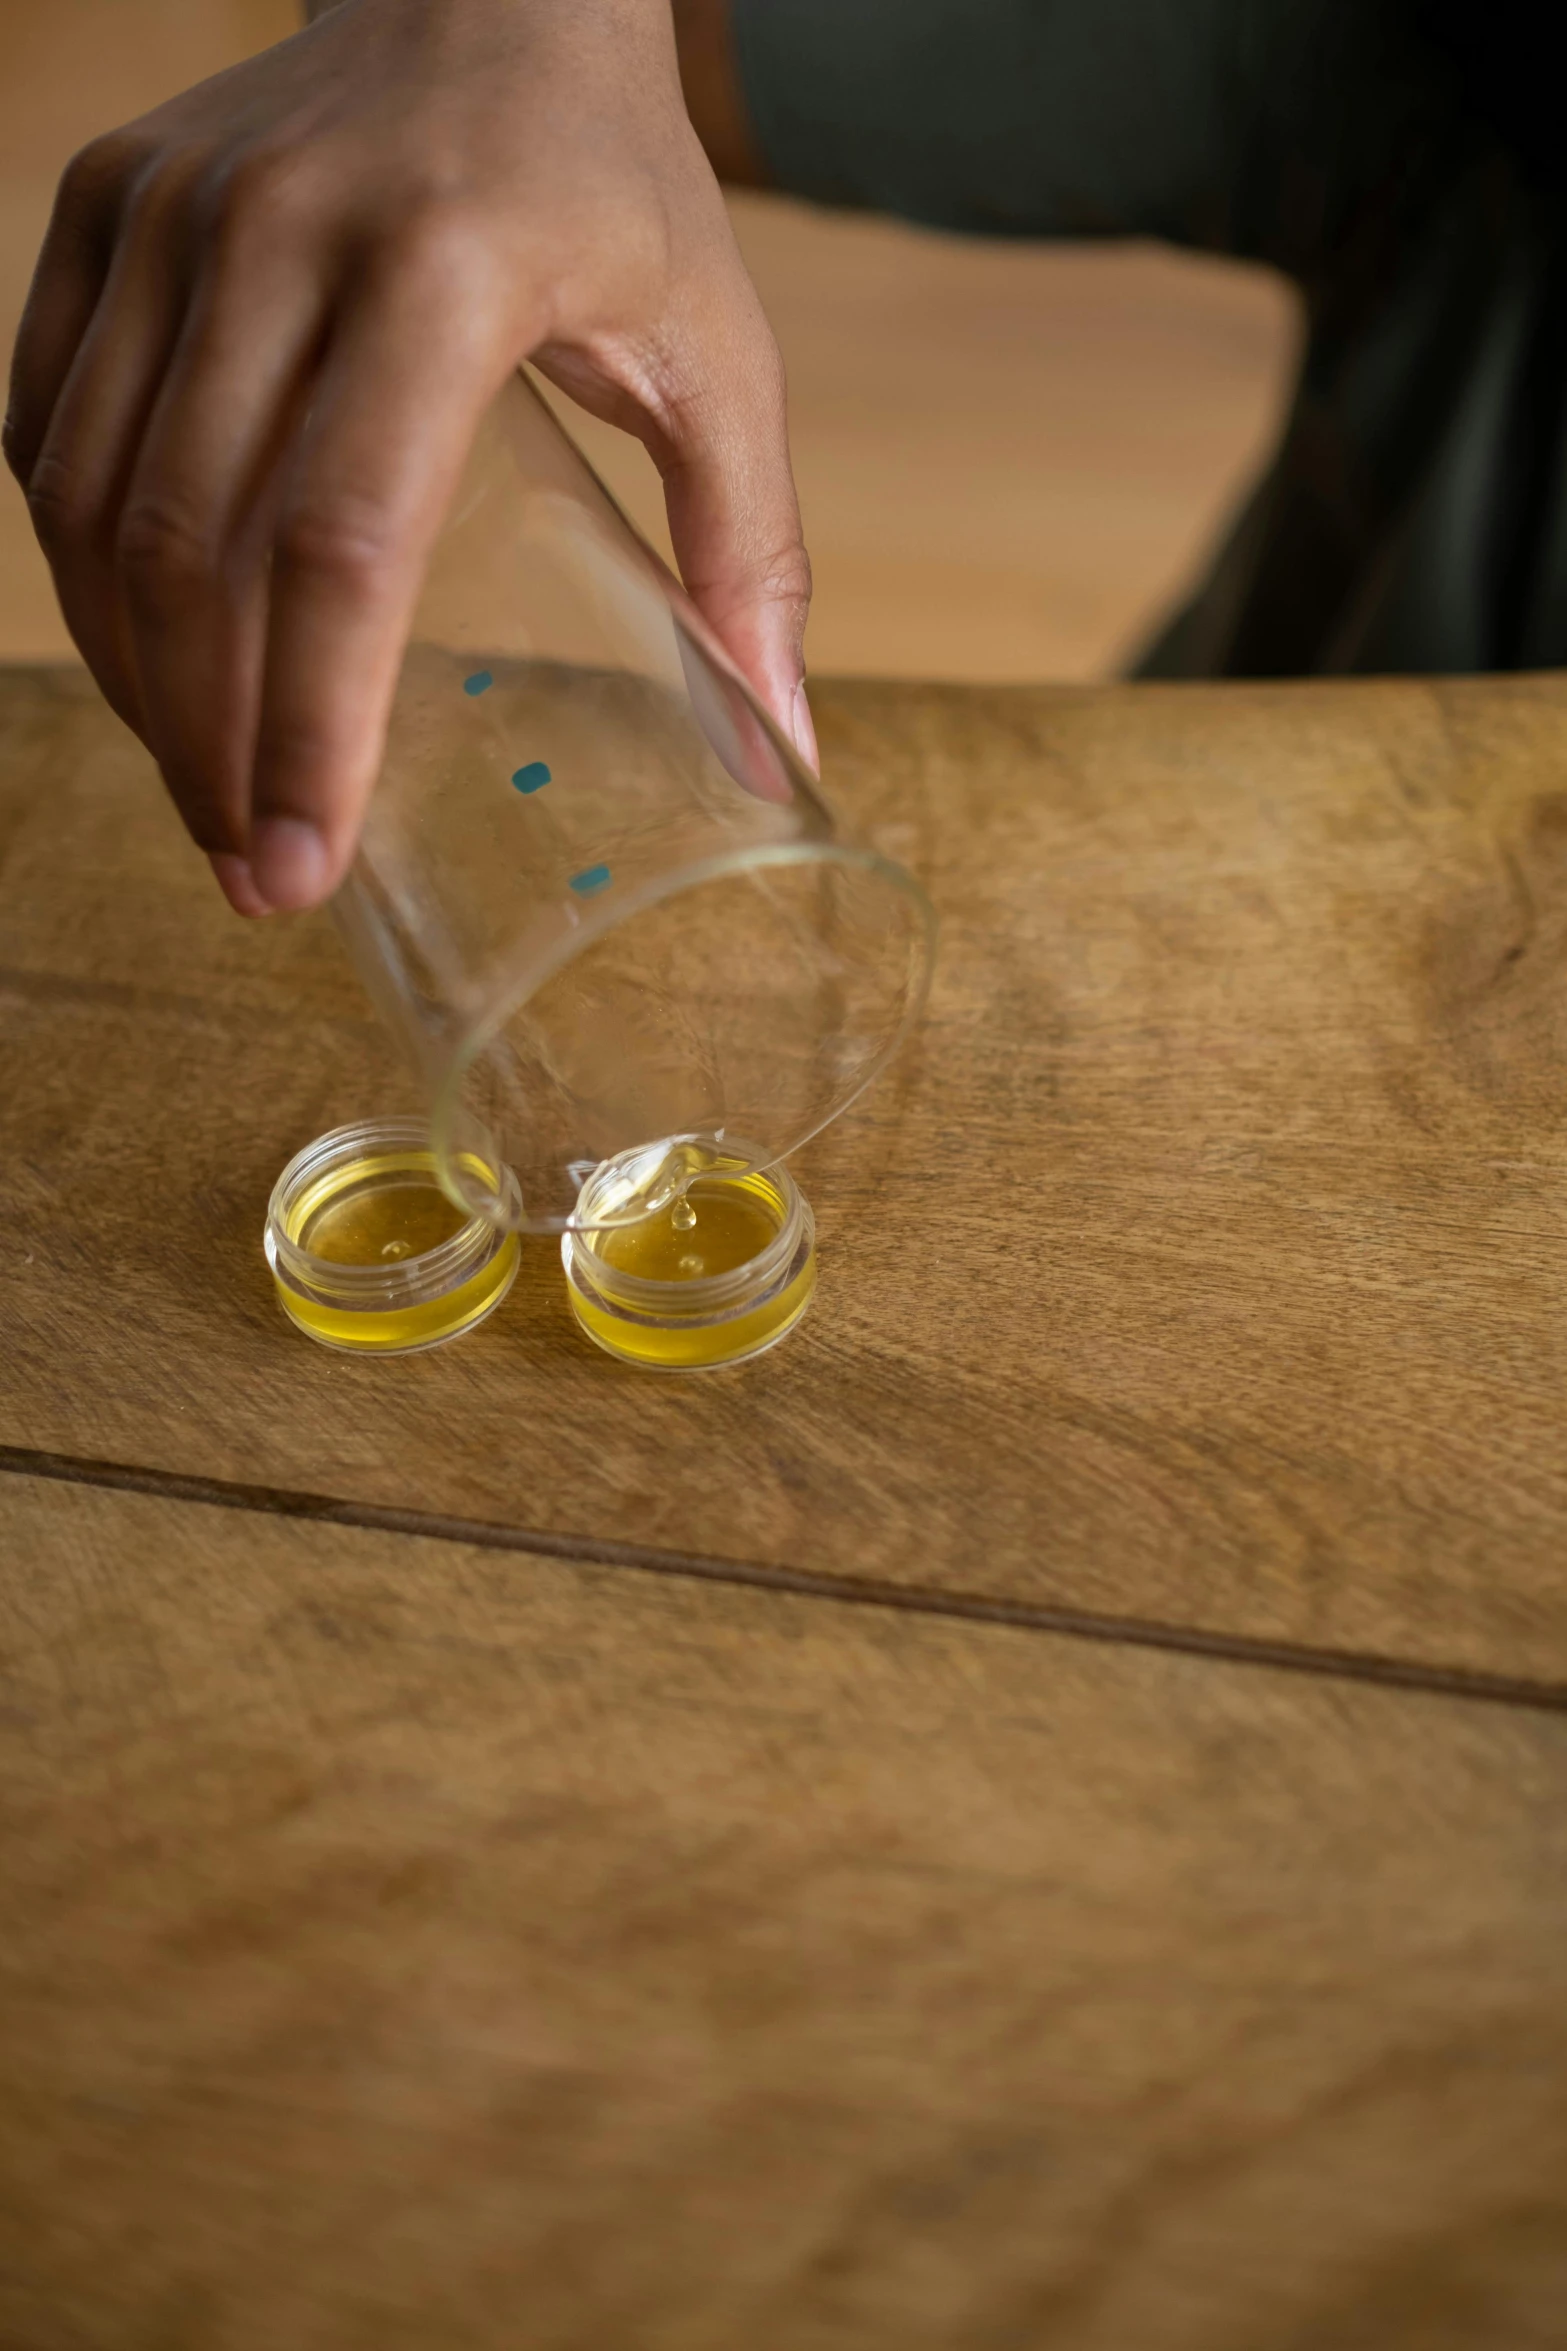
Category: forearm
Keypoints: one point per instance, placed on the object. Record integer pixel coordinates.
(710, 79)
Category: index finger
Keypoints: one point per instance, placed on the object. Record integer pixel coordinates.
(68, 279)
(404, 383)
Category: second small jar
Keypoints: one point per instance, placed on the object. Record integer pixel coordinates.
(714, 1276)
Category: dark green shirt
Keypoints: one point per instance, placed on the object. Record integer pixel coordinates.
(1397, 158)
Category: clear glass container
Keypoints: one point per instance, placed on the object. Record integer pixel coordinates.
(369, 1252)
(599, 899)
(718, 1274)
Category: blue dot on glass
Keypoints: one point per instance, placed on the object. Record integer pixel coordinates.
(594, 877)
(480, 680)
(533, 777)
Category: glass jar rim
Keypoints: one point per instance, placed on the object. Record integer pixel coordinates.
(511, 990)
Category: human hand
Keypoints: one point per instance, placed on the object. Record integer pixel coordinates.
(264, 324)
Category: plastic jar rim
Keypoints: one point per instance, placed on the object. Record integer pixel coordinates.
(410, 1281)
(711, 1295)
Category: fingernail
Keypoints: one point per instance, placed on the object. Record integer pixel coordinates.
(804, 729)
(235, 880)
(288, 862)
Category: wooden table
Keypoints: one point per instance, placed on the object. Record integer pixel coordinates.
(1034, 1816)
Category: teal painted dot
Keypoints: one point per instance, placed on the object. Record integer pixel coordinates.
(479, 683)
(533, 777)
(595, 877)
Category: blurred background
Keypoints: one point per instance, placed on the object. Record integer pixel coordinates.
(1011, 458)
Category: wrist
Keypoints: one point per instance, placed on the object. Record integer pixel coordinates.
(715, 101)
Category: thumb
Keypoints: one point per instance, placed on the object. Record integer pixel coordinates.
(734, 517)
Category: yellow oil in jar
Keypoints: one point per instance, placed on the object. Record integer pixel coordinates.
(368, 1252)
(381, 1215)
(669, 1292)
(713, 1228)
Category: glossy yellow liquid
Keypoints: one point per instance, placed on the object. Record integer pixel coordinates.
(721, 1225)
(729, 1225)
(386, 1211)
(380, 1216)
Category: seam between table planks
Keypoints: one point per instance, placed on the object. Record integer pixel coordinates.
(1075, 1624)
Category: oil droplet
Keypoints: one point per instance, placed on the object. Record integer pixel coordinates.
(682, 1216)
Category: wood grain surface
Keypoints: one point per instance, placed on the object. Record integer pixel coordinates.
(407, 1945)
(1204, 1268)
(450, 1900)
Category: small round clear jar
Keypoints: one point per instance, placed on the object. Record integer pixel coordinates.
(368, 1251)
(674, 1297)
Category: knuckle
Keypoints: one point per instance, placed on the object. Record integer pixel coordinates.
(161, 548)
(14, 439)
(61, 515)
(260, 193)
(99, 172)
(160, 195)
(346, 543)
(438, 245)
(786, 576)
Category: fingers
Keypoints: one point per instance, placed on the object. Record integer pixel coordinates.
(233, 877)
(64, 306)
(78, 478)
(66, 284)
(237, 491)
(733, 513)
(192, 539)
(409, 371)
